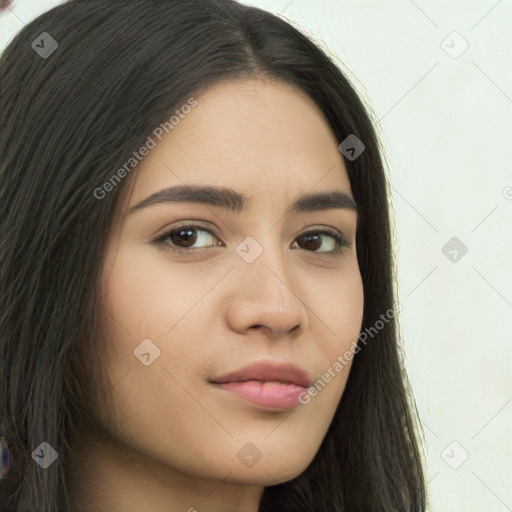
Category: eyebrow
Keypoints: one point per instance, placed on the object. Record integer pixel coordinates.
(236, 202)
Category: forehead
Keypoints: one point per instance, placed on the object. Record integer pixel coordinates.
(260, 137)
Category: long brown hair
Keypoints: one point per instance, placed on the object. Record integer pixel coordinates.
(72, 117)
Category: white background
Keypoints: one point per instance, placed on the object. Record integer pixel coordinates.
(445, 122)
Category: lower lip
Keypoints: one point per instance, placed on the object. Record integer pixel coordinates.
(281, 396)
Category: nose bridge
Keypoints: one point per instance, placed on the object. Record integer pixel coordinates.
(265, 258)
(267, 294)
(277, 289)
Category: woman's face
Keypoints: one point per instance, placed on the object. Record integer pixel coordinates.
(247, 287)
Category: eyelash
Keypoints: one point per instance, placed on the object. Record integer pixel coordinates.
(341, 242)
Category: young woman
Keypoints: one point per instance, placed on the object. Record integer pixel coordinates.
(198, 306)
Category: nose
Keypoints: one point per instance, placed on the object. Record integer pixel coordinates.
(265, 298)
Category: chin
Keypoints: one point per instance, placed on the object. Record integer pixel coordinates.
(265, 476)
(267, 471)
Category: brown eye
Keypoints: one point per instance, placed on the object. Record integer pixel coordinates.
(186, 235)
(183, 238)
(312, 241)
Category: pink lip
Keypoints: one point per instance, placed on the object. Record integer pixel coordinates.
(267, 384)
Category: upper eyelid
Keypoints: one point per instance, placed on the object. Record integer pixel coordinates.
(197, 224)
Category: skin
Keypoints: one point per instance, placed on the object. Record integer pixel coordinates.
(165, 437)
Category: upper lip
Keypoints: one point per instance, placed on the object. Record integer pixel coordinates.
(287, 373)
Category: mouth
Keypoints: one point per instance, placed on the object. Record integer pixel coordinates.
(267, 385)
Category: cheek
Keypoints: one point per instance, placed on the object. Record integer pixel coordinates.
(142, 297)
(136, 313)
(343, 306)
(148, 308)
